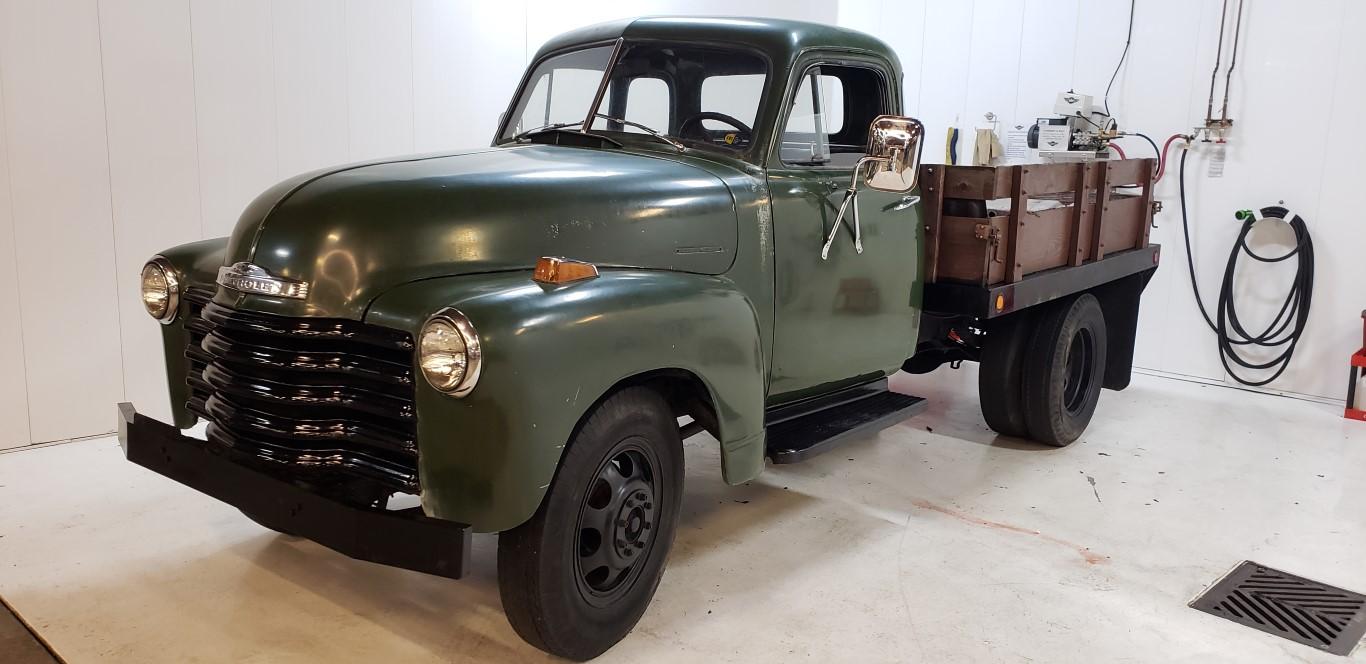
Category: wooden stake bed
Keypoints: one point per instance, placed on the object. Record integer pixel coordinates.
(988, 226)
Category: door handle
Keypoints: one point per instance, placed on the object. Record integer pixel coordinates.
(905, 202)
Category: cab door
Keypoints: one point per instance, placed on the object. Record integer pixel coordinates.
(850, 317)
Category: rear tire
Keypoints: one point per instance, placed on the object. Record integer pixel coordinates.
(1064, 368)
(999, 375)
(578, 575)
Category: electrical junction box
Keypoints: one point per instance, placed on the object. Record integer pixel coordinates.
(1073, 105)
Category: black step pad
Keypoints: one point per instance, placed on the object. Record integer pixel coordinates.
(800, 438)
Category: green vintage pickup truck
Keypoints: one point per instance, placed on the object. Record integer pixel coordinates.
(682, 225)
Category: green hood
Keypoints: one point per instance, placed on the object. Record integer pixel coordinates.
(356, 231)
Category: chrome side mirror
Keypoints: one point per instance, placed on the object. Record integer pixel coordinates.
(892, 163)
(894, 145)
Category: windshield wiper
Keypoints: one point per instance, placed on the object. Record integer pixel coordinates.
(549, 127)
(645, 129)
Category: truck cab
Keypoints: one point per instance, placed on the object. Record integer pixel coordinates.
(681, 225)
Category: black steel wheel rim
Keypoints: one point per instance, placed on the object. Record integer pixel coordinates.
(618, 523)
(1078, 372)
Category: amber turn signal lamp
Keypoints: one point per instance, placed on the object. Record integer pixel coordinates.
(551, 270)
(1000, 302)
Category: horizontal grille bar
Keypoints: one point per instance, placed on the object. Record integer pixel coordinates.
(325, 396)
(308, 329)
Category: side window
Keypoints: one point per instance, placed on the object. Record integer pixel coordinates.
(736, 95)
(647, 102)
(827, 123)
(806, 116)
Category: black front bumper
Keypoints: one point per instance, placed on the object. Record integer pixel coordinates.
(402, 538)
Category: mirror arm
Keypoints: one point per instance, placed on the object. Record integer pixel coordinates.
(851, 202)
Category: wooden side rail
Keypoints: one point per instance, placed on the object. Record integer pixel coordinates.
(1105, 206)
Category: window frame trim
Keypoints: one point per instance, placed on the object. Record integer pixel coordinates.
(815, 61)
(772, 89)
(499, 135)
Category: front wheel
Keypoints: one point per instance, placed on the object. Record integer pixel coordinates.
(578, 575)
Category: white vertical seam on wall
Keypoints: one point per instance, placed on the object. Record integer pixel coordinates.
(1019, 60)
(194, 80)
(1332, 97)
(412, 78)
(14, 260)
(920, 84)
(274, 97)
(346, 78)
(113, 214)
(1076, 38)
(194, 100)
(1190, 98)
(963, 109)
(275, 84)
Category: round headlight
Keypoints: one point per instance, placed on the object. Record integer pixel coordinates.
(448, 353)
(160, 289)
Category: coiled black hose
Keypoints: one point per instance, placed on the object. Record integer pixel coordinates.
(1285, 331)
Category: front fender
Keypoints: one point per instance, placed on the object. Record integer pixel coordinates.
(549, 353)
(196, 264)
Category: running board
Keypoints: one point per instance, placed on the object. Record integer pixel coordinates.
(800, 431)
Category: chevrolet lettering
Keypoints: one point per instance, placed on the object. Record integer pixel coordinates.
(247, 278)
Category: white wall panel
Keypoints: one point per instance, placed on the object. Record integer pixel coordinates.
(208, 102)
(1333, 325)
(379, 64)
(993, 69)
(1270, 161)
(1048, 41)
(311, 102)
(944, 74)
(460, 86)
(153, 167)
(13, 378)
(1100, 34)
(234, 106)
(1155, 92)
(59, 177)
(872, 16)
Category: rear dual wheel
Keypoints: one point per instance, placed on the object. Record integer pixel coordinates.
(578, 576)
(1042, 372)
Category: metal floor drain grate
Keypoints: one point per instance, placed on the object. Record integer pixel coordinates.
(1289, 606)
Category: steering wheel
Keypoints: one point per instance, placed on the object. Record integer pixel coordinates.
(690, 127)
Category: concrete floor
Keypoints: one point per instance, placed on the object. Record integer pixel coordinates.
(933, 541)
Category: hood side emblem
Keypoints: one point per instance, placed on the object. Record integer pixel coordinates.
(254, 279)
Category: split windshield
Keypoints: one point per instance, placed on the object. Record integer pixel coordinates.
(699, 96)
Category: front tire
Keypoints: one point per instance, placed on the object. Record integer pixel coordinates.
(1064, 369)
(578, 575)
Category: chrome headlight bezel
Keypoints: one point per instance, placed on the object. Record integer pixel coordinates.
(473, 354)
(168, 275)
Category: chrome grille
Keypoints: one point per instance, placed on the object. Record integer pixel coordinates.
(324, 395)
